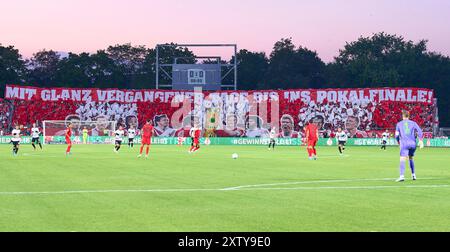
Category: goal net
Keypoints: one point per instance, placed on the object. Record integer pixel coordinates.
(96, 132)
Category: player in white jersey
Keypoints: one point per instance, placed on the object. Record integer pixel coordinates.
(35, 133)
(341, 138)
(384, 139)
(15, 140)
(131, 132)
(118, 138)
(272, 136)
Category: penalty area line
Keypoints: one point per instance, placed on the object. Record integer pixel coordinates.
(314, 182)
(344, 187)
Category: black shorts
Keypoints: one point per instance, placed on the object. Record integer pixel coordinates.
(118, 142)
(272, 141)
(35, 140)
(130, 140)
(384, 142)
(15, 143)
(342, 142)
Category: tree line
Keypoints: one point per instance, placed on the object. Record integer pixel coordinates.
(379, 60)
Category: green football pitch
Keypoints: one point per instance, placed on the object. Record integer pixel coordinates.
(96, 189)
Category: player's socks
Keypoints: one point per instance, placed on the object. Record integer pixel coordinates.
(40, 146)
(311, 152)
(142, 148)
(68, 149)
(402, 168)
(147, 150)
(34, 146)
(340, 149)
(412, 166)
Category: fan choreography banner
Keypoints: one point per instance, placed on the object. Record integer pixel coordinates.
(361, 112)
(136, 96)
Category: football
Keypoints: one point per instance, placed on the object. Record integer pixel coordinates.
(234, 156)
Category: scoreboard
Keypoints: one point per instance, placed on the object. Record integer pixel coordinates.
(190, 76)
(196, 76)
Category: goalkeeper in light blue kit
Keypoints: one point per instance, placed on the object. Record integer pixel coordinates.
(405, 133)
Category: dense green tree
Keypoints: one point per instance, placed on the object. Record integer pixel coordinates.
(89, 70)
(252, 68)
(12, 67)
(294, 68)
(390, 60)
(74, 70)
(43, 68)
(129, 61)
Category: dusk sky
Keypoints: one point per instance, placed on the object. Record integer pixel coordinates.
(324, 25)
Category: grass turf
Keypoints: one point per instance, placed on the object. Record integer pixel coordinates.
(98, 190)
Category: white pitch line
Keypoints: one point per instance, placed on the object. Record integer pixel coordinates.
(314, 182)
(346, 187)
(110, 191)
(222, 190)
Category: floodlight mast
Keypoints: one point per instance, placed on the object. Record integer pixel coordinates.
(233, 66)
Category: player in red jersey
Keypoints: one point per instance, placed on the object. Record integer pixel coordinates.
(68, 141)
(195, 133)
(147, 133)
(312, 136)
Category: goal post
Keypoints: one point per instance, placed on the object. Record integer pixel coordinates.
(98, 132)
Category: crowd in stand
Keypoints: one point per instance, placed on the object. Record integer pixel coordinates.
(5, 110)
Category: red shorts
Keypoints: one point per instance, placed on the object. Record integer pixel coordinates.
(146, 140)
(312, 142)
(68, 141)
(196, 141)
